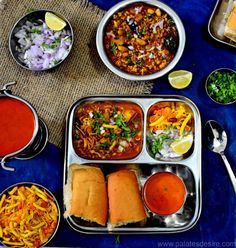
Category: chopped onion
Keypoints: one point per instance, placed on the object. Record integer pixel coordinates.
(40, 47)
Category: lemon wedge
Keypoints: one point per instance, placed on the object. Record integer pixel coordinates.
(182, 146)
(180, 79)
(54, 22)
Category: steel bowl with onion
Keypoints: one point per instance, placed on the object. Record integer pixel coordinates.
(35, 46)
(157, 38)
(30, 215)
(220, 86)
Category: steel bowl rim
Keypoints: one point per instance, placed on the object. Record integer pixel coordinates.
(6, 190)
(25, 16)
(207, 80)
(123, 74)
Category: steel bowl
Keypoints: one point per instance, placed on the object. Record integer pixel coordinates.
(118, 7)
(29, 184)
(39, 137)
(34, 15)
(208, 82)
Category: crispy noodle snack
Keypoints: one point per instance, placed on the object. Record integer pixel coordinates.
(28, 216)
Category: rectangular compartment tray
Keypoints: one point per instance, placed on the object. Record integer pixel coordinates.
(217, 22)
(188, 168)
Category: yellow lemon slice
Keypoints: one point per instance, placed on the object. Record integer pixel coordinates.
(180, 79)
(182, 146)
(54, 22)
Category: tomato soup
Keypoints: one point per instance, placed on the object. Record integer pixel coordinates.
(164, 193)
(17, 123)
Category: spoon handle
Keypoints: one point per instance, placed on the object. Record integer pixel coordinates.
(230, 171)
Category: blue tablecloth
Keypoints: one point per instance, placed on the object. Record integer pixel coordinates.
(217, 224)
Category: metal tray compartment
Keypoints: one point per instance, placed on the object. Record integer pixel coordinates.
(188, 169)
(217, 22)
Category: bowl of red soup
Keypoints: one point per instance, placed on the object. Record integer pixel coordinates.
(22, 133)
(164, 193)
(140, 40)
(108, 130)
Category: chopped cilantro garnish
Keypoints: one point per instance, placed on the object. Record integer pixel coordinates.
(128, 35)
(222, 86)
(36, 31)
(140, 62)
(98, 115)
(112, 135)
(56, 61)
(96, 127)
(104, 146)
(113, 47)
(158, 143)
(76, 136)
(117, 240)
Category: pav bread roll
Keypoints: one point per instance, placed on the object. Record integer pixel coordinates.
(89, 195)
(230, 27)
(125, 203)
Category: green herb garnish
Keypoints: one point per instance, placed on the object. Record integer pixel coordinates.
(98, 115)
(171, 22)
(56, 61)
(104, 146)
(117, 240)
(221, 86)
(142, 32)
(158, 143)
(128, 35)
(36, 31)
(114, 48)
(140, 62)
(96, 127)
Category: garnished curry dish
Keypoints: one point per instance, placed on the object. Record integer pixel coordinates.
(170, 130)
(28, 217)
(108, 130)
(141, 39)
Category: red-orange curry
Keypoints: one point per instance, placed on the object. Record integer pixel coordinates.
(164, 193)
(141, 39)
(108, 130)
(17, 125)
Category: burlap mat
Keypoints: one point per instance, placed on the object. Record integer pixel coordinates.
(82, 74)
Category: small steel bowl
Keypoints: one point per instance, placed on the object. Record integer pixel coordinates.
(29, 184)
(149, 203)
(208, 83)
(34, 15)
(118, 7)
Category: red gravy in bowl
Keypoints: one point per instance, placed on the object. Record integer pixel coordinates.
(164, 193)
(17, 123)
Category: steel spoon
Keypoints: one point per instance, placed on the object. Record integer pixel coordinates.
(216, 140)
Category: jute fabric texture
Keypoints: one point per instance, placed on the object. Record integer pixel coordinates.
(82, 73)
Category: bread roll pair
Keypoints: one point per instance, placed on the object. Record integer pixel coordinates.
(90, 197)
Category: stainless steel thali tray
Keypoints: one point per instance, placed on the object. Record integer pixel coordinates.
(217, 22)
(187, 168)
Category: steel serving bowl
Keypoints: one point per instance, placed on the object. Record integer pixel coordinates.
(34, 16)
(39, 138)
(221, 70)
(118, 7)
(7, 193)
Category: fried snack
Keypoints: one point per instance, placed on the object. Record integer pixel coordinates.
(89, 196)
(125, 204)
(28, 217)
(230, 27)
